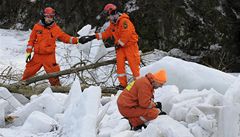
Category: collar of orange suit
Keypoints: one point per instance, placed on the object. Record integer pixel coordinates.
(121, 15)
(42, 23)
(149, 76)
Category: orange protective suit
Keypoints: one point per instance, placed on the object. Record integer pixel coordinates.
(126, 38)
(43, 41)
(135, 102)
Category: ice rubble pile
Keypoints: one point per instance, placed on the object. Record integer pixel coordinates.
(191, 113)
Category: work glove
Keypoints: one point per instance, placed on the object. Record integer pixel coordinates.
(117, 46)
(158, 105)
(28, 56)
(85, 39)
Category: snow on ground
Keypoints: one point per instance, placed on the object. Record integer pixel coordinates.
(13, 45)
(199, 101)
(12, 49)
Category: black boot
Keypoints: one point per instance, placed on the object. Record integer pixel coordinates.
(135, 128)
(138, 127)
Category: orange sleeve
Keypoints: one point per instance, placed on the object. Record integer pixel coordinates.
(104, 35)
(64, 37)
(145, 96)
(126, 30)
(32, 39)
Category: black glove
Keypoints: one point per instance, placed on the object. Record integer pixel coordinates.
(159, 105)
(117, 46)
(28, 57)
(162, 113)
(85, 39)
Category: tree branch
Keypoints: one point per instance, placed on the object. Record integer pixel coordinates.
(65, 72)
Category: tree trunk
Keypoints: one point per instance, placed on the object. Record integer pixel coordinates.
(28, 91)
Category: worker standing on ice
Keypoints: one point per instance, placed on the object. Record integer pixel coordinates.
(43, 43)
(126, 42)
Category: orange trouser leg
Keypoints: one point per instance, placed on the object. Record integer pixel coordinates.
(51, 66)
(121, 71)
(138, 115)
(133, 58)
(31, 69)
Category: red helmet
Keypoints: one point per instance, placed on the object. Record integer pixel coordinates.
(109, 8)
(49, 12)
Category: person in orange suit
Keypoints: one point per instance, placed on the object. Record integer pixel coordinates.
(135, 102)
(43, 43)
(125, 39)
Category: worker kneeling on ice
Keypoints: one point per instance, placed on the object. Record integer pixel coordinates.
(136, 104)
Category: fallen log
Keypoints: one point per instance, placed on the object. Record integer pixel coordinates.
(28, 91)
(65, 72)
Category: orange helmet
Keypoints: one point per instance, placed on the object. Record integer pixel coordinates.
(49, 12)
(160, 76)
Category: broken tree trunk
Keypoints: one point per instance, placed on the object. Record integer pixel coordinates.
(66, 72)
(28, 91)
